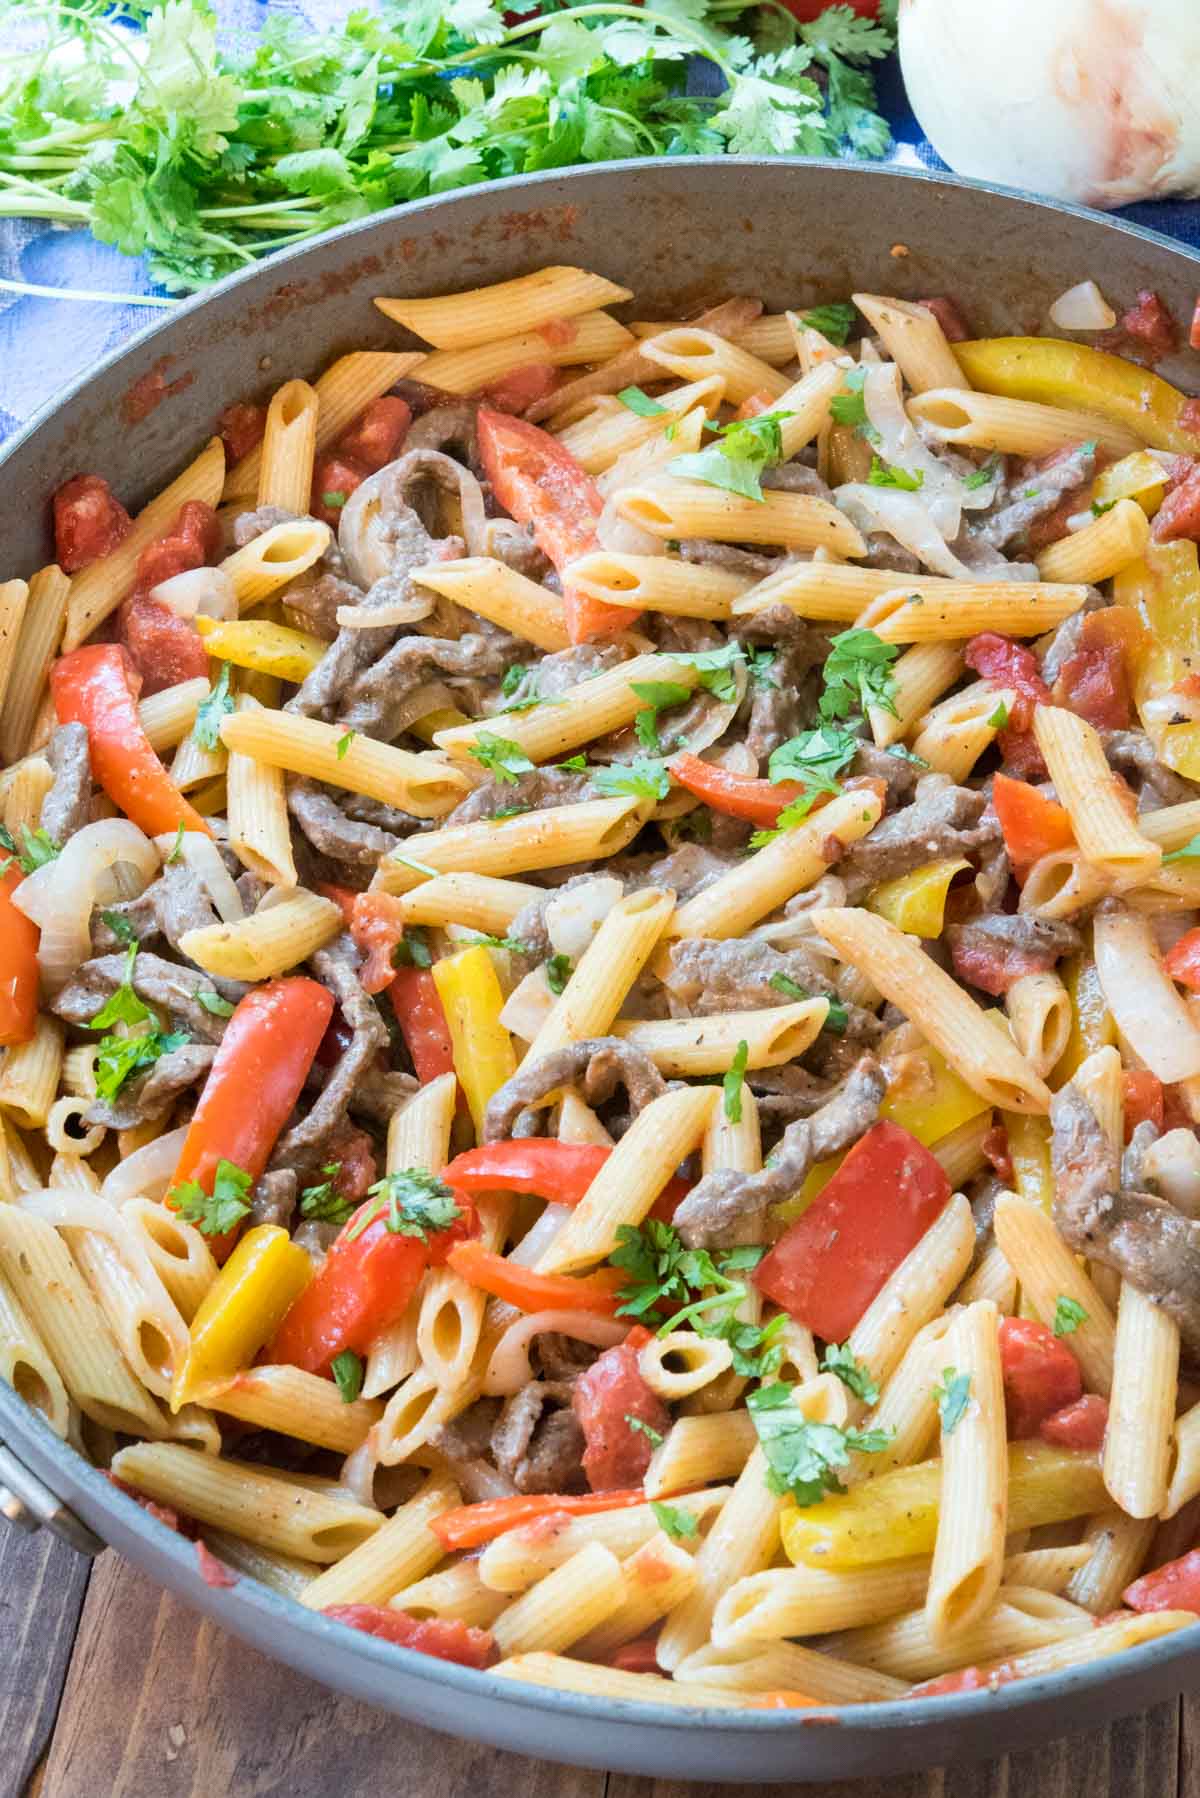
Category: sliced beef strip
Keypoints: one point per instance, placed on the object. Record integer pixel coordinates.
(727, 1209)
(790, 1092)
(273, 1200)
(149, 1096)
(690, 868)
(995, 872)
(1031, 496)
(249, 525)
(331, 832)
(170, 906)
(165, 984)
(1036, 945)
(537, 1442)
(1132, 753)
(379, 1093)
(943, 820)
(449, 426)
(67, 807)
(376, 701)
(560, 1357)
(709, 974)
(796, 477)
(726, 555)
(529, 925)
(306, 1144)
(1133, 1169)
(898, 774)
(1146, 1240)
(510, 543)
(557, 673)
(600, 1063)
(531, 792)
(1066, 638)
(783, 697)
(883, 551)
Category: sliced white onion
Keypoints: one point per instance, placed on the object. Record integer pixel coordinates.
(574, 916)
(1173, 1164)
(398, 611)
(369, 556)
(204, 859)
(1147, 1007)
(60, 896)
(737, 757)
(901, 447)
(905, 517)
(623, 537)
(528, 1005)
(1082, 308)
(509, 1370)
(207, 590)
(538, 1238)
(146, 1174)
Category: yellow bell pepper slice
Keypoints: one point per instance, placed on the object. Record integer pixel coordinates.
(242, 1309)
(1029, 1148)
(896, 1514)
(916, 902)
(262, 645)
(472, 1000)
(447, 718)
(1058, 373)
(1092, 1024)
(1137, 477)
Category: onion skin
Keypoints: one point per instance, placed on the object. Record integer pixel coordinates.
(1085, 100)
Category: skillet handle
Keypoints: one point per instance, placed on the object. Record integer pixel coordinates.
(29, 1504)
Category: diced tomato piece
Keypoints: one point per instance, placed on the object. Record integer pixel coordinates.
(418, 1007)
(241, 428)
(954, 326)
(1142, 1092)
(638, 1656)
(1081, 1425)
(1033, 824)
(334, 479)
(967, 1679)
(89, 522)
(1173, 1587)
(164, 648)
(1182, 961)
(754, 405)
(993, 966)
(193, 540)
(446, 1638)
(355, 1159)
(1150, 324)
(607, 1395)
(1009, 665)
(522, 387)
(1041, 1375)
(1094, 684)
(212, 1571)
(1179, 514)
(374, 439)
(179, 1521)
(828, 1266)
(377, 925)
(995, 1147)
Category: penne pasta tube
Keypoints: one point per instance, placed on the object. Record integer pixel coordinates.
(26, 1364)
(806, 1601)
(672, 508)
(396, 1552)
(260, 832)
(707, 1045)
(416, 1411)
(1014, 427)
(296, 1404)
(1047, 1569)
(29, 1074)
(680, 1363)
(591, 709)
(605, 972)
(628, 1184)
(99, 588)
(789, 1667)
(565, 1674)
(345, 389)
(275, 557)
(175, 1249)
(1115, 1547)
(268, 942)
(37, 644)
(591, 337)
(603, 439)
(698, 1449)
(1147, 1007)
(459, 321)
(25, 795)
(557, 837)
(571, 1602)
(968, 1554)
(919, 677)
(514, 1561)
(167, 717)
(906, 1410)
(1061, 883)
(499, 593)
(831, 592)
(1101, 549)
(1093, 796)
(658, 584)
(263, 1508)
(931, 613)
(1172, 825)
(1185, 1472)
(953, 735)
(1097, 1644)
(288, 447)
(960, 1151)
(992, 1279)
(1018, 1620)
(423, 784)
(1039, 1015)
(694, 354)
(976, 1048)
(283, 1573)
(657, 1577)
(915, 1292)
(1141, 1422)
(456, 1592)
(772, 875)
(913, 339)
(480, 901)
(1048, 1271)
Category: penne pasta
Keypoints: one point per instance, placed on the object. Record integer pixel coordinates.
(694, 354)
(393, 1554)
(589, 337)
(690, 1046)
(458, 321)
(268, 942)
(913, 338)
(671, 508)
(39, 629)
(968, 1555)
(589, 831)
(921, 613)
(659, 584)
(288, 448)
(499, 593)
(1014, 427)
(424, 785)
(1101, 549)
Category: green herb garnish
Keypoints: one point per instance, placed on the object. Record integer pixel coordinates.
(219, 1211)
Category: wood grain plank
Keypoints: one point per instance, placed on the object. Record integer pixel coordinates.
(42, 1583)
(161, 1704)
(1136, 1758)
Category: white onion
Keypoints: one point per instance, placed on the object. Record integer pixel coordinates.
(623, 537)
(369, 556)
(60, 896)
(397, 611)
(1089, 102)
(1082, 308)
(204, 859)
(573, 917)
(1173, 1165)
(509, 1370)
(899, 445)
(1147, 1008)
(538, 1238)
(146, 1174)
(207, 590)
(904, 517)
(528, 1005)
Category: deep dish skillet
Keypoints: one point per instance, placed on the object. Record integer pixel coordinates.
(701, 230)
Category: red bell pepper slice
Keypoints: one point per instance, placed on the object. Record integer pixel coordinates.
(1041, 1375)
(558, 1171)
(541, 484)
(363, 1285)
(1143, 1099)
(828, 1266)
(638, 1656)
(967, 1679)
(19, 938)
(94, 686)
(1080, 1425)
(470, 1526)
(269, 1045)
(1182, 961)
(1033, 825)
(1175, 1586)
(530, 1291)
(418, 1008)
(446, 1638)
(737, 795)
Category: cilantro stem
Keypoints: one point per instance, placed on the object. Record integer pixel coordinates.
(674, 27)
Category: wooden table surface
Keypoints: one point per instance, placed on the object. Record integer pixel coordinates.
(110, 1688)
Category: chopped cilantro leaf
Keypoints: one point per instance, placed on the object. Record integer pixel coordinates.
(1068, 1315)
(803, 1457)
(653, 1436)
(658, 695)
(574, 764)
(216, 705)
(850, 408)
(642, 778)
(982, 476)
(952, 1396)
(999, 718)
(222, 1210)
(858, 674)
(118, 1058)
(39, 849)
(411, 1203)
(640, 402)
(747, 446)
(1101, 506)
(904, 754)
(347, 1371)
(732, 1083)
(501, 757)
(513, 676)
(333, 500)
(886, 474)
(559, 969)
(679, 1524)
(816, 758)
(716, 669)
(176, 852)
(837, 1017)
(855, 1375)
(835, 321)
(213, 1002)
(783, 983)
(344, 742)
(120, 926)
(122, 1006)
(323, 1202)
(412, 951)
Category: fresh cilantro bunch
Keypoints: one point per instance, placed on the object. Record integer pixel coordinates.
(203, 158)
(664, 1274)
(746, 447)
(803, 1458)
(219, 1211)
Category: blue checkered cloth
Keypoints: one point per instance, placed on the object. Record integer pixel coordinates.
(45, 344)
